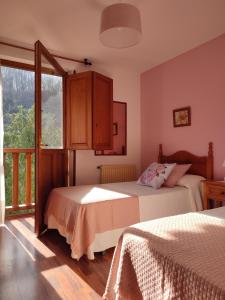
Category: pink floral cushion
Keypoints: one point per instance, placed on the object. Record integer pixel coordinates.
(177, 172)
(155, 175)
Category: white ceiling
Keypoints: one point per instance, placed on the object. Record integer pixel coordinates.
(71, 27)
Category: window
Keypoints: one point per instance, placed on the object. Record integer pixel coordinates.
(52, 112)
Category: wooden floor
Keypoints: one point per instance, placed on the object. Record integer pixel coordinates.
(32, 268)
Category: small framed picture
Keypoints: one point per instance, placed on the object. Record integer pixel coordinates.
(182, 117)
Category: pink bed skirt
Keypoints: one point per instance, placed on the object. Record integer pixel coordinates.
(79, 222)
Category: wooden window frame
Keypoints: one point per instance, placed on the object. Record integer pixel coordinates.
(26, 67)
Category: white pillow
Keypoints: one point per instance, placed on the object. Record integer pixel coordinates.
(193, 183)
(190, 180)
(155, 174)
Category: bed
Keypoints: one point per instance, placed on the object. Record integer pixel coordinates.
(178, 257)
(92, 217)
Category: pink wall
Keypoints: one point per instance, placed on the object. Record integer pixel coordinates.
(196, 79)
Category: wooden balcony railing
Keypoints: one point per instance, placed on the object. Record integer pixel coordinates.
(26, 202)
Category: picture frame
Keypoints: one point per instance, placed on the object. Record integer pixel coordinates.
(182, 117)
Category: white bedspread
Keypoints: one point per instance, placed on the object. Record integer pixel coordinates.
(158, 203)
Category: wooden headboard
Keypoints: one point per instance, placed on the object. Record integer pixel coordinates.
(201, 165)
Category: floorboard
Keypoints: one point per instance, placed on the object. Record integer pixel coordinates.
(32, 268)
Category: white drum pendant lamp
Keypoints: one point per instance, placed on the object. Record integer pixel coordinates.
(120, 26)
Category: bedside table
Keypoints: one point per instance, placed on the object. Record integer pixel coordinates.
(213, 190)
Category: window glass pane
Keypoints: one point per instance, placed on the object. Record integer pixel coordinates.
(19, 124)
(52, 111)
(18, 107)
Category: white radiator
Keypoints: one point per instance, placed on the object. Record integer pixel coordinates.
(117, 173)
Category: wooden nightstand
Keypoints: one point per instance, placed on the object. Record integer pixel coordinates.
(213, 190)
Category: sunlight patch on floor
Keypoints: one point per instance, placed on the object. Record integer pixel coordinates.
(63, 279)
(32, 239)
(21, 244)
(30, 220)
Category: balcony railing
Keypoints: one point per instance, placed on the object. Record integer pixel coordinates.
(19, 167)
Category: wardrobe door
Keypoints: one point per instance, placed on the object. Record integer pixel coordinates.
(102, 112)
(79, 111)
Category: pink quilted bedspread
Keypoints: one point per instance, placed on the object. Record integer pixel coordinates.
(180, 257)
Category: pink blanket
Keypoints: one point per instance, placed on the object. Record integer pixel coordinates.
(180, 257)
(82, 211)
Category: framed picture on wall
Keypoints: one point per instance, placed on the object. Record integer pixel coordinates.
(182, 117)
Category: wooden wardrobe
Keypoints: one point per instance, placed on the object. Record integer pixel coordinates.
(89, 111)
